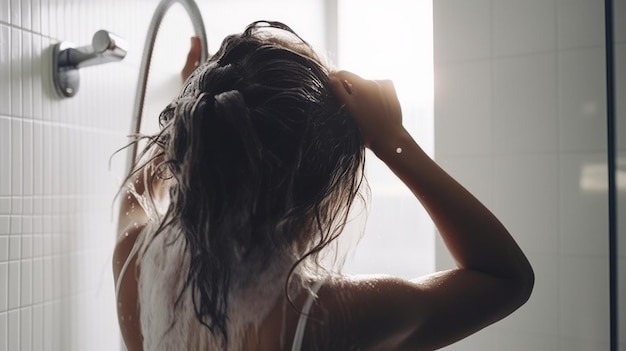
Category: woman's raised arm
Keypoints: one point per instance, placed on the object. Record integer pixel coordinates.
(493, 276)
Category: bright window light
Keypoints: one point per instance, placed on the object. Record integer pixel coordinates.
(393, 40)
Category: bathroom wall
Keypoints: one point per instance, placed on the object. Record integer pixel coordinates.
(56, 188)
(520, 119)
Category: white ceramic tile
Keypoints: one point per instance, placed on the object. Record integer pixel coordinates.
(16, 16)
(580, 23)
(5, 156)
(38, 171)
(461, 30)
(16, 157)
(27, 154)
(64, 162)
(16, 209)
(620, 92)
(583, 204)
(48, 98)
(4, 249)
(47, 161)
(26, 280)
(37, 240)
(4, 332)
(4, 224)
(584, 304)
(27, 73)
(15, 249)
(5, 209)
(463, 99)
(14, 285)
(582, 100)
(26, 246)
(37, 72)
(514, 340)
(36, 16)
(38, 229)
(576, 344)
(526, 199)
(5, 16)
(485, 339)
(525, 115)
(521, 27)
(38, 280)
(26, 13)
(45, 14)
(48, 280)
(26, 328)
(38, 328)
(13, 339)
(5, 70)
(16, 222)
(16, 68)
(57, 156)
(4, 290)
(59, 277)
(619, 7)
(49, 323)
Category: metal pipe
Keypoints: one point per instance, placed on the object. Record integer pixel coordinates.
(198, 25)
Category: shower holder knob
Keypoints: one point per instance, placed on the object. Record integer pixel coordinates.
(68, 59)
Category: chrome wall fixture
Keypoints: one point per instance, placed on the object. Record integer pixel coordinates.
(68, 59)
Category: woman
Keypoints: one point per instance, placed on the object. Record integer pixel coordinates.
(252, 175)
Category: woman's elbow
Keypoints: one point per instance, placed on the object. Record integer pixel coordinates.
(524, 284)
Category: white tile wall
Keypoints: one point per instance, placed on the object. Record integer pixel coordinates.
(522, 27)
(582, 107)
(464, 105)
(577, 24)
(535, 106)
(468, 36)
(56, 228)
(525, 117)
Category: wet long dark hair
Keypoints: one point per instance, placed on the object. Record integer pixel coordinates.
(264, 162)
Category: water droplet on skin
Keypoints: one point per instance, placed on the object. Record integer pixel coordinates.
(127, 213)
(135, 224)
(128, 195)
(125, 234)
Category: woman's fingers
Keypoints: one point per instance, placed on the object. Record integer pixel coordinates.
(373, 104)
(193, 58)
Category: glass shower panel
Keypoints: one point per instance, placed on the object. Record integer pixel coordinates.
(619, 8)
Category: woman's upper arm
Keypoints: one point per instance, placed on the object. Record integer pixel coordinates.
(127, 295)
(426, 314)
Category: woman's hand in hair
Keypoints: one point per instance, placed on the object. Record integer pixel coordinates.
(193, 58)
(375, 107)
